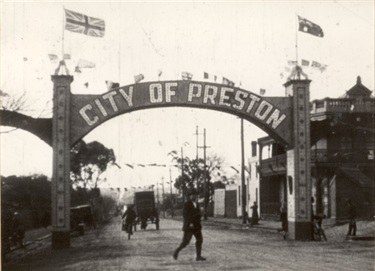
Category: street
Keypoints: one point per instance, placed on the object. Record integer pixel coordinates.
(226, 248)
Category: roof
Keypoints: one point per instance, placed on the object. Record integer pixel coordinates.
(356, 175)
(357, 90)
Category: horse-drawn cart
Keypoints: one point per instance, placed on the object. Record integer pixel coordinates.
(145, 208)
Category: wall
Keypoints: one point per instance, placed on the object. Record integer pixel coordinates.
(219, 206)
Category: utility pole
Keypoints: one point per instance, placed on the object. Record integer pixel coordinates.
(196, 158)
(243, 185)
(196, 141)
(182, 176)
(170, 183)
(162, 202)
(157, 195)
(206, 190)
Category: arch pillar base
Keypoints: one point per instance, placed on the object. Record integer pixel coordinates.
(60, 239)
(300, 231)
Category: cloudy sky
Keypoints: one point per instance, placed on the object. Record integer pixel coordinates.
(248, 42)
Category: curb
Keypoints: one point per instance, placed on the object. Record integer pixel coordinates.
(360, 238)
(246, 226)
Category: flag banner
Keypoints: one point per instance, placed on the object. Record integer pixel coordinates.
(305, 62)
(309, 27)
(262, 91)
(292, 62)
(111, 85)
(315, 64)
(80, 23)
(138, 78)
(52, 57)
(77, 70)
(228, 82)
(206, 75)
(323, 67)
(186, 76)
(85, 64)
(319, 66)
(160, 72)
(67, 56)
(129, 165)
(86, 84)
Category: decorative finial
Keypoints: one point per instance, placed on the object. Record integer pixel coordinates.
(296, 73)
(61, 68)
(359, 80)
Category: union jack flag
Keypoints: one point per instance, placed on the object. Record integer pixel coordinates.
(80, 23)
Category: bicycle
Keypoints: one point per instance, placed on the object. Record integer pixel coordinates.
(128, 228)
(317, 228)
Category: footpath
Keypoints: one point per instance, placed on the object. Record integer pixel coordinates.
(335, 231)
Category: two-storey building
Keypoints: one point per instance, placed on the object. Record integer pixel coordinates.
(342, 158)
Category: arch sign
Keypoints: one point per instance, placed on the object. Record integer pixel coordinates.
(271, 114)
(286, 119)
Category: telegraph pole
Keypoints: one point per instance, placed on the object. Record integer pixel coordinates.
(196, 158)
(170, 182)
(243, 175)
(157, 194)
(206, 190)
(182, 176)
(162, 202)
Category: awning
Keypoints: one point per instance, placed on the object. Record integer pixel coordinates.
(356, 175)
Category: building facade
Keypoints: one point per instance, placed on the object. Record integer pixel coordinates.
(342, 158)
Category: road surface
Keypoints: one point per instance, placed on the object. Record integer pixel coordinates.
(226, 248)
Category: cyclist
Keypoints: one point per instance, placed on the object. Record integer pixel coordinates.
(130, 217)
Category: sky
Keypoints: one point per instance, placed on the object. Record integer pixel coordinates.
(248, 42)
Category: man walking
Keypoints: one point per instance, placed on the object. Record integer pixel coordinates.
(192, 226)
(353, 219)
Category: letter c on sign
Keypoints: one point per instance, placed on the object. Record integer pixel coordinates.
(85, 117)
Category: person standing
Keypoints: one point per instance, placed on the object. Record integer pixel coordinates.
(18, 230)
(191, 226)
(352, 214)
(254, 214)
(284, 219)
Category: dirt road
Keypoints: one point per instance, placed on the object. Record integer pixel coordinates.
(226, 248)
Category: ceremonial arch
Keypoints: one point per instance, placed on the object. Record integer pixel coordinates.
(286, 119)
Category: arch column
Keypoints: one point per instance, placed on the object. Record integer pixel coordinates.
(61, 161)
(299, 162)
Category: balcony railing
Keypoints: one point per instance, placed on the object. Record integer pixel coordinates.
(277, 164)
(366, 105)
(342, 156)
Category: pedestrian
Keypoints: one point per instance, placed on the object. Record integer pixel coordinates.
(191, 226)
(254, 214)
(130, 215)
(18, 230)
(284, 219)
(352, 215)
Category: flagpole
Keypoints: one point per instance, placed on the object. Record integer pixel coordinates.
(295, 26)
(63, 34)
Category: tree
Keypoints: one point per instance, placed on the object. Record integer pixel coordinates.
(193, 173)
(88, 162)
(11, 107)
